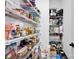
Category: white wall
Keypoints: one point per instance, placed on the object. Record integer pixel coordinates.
(55, 4)
(17, 21)
(68, 28)
(43, 5)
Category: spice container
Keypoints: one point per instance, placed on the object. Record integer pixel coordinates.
(30, 17)
(24, 33)
(30, 45)
(29, 30)
(33, 38)
(22, 51)
(18, 30)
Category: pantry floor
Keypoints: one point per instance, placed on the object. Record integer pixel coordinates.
(52, 57)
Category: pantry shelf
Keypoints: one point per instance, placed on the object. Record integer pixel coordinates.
(18, 6)
(12, 4)
(15, 40)
(27, 55)
(25, 19)
(55, 34)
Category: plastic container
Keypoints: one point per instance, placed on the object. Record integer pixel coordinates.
(58, 56)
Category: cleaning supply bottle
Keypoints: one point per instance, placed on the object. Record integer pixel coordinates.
(58, 56)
